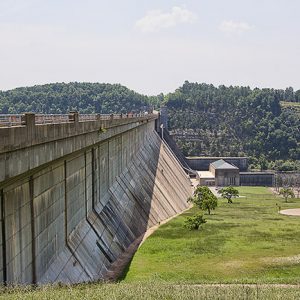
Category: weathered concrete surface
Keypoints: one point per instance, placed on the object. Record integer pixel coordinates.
(84, 199)
(25, 148)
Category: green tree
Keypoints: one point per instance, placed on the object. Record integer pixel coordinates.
(229, 193)
(194, 222)
(287, 193)
(209, 203)
(204, 199)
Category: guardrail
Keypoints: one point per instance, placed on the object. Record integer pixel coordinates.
(7, 120)
(51, 119)
(10, 120)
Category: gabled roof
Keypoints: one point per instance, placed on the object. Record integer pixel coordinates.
(222, 164)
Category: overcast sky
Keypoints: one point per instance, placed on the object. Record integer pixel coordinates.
(150, 46)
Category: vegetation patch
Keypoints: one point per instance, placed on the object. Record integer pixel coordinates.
(246, 241)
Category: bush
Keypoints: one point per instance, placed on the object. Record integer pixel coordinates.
(194, 222)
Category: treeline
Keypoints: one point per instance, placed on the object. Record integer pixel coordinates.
(60, 98)
(205, 120)
(235, 121)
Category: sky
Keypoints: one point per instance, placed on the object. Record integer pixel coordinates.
(152, 46)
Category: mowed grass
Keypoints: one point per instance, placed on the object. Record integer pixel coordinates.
(247, 242)
(244, 242)
(151, 291)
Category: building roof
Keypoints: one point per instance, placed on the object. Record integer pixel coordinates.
(206, 174)
(222, 164)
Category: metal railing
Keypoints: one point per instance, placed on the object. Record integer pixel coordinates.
(7, 120)
(51, 119)
(10, 120)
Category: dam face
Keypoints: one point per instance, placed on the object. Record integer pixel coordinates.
(75, 194)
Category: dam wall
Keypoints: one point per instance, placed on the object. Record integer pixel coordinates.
(75, 195)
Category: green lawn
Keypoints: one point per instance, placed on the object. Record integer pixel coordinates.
(244, 242)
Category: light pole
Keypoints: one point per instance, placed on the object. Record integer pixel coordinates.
(162, 131)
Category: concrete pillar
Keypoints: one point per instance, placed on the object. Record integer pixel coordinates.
(3, 276)
(74, 116)
(29, 120)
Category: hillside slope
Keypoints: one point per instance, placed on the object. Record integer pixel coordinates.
(56, 98)
(233, 121)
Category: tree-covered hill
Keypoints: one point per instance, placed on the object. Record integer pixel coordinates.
(234, 121)
(204, 119)
(59, 98)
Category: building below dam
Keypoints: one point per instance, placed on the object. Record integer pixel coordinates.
(220, 170)
(77, 190)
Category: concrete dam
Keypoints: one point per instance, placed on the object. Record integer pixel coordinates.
(77, 190)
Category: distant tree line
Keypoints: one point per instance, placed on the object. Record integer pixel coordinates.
(60, 98)
(207, 120)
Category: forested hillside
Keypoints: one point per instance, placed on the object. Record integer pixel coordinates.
(205, 120)
(236, 121)
(59, 98)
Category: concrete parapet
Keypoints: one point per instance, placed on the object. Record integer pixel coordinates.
(17, 137)
(27, 147)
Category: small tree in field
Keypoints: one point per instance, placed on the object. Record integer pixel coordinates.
(204, 199)
(209, 203)
(229, 193)
(286, 193)
(194, 222)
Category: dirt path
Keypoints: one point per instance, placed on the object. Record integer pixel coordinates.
(291, 212)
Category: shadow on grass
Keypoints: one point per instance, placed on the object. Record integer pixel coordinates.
(125, 271)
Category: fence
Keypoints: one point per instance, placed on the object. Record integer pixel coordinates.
(10, 120)
(7, 120)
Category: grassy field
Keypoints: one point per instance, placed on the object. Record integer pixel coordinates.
(245, 242)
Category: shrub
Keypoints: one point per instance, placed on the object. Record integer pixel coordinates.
(229, 193)
(194, 222)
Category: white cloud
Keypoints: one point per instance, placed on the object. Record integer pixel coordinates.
(156, 19)
(234, 27)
